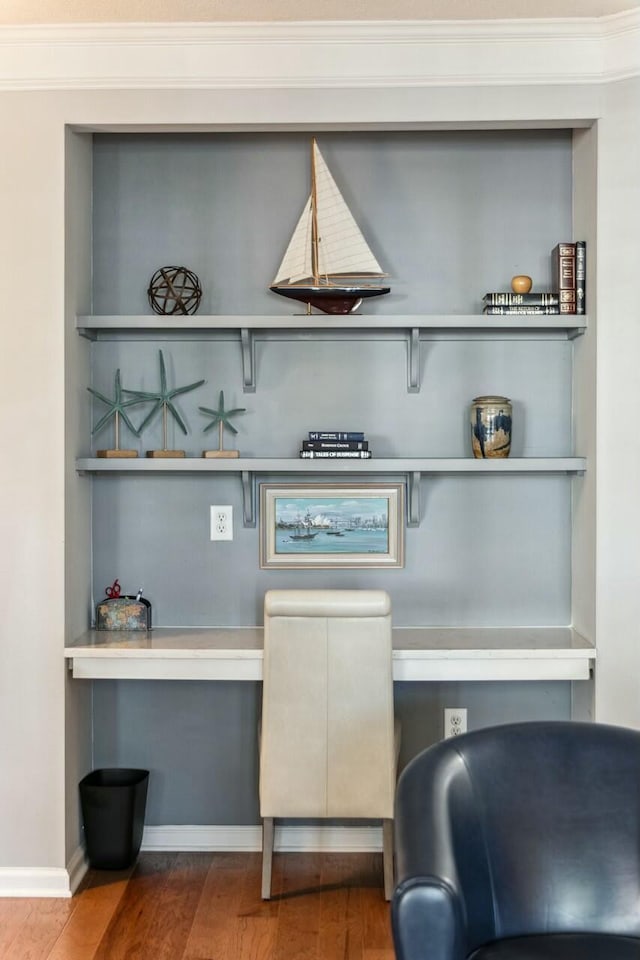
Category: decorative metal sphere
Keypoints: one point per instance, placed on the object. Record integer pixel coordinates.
(174, 290)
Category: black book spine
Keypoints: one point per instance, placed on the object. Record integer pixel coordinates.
(581, 276)
(336, 435)
(335, 444)
(335, 454)
(523, 311)
(506, 299)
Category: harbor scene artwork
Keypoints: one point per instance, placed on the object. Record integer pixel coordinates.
(336, 525)
(331, 525)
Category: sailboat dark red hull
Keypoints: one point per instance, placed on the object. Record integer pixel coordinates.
(330, 299)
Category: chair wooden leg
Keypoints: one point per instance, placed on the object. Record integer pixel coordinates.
(267, 856)
(387, 857)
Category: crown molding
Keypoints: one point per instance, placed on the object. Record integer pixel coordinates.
(331, 54)
(621, 46)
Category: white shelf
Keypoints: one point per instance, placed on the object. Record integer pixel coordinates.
(411, 468)
(413, 329)
(422, 465)
(95, 326)
(419, 654)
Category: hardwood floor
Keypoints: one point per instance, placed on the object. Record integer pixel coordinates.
(207, 906)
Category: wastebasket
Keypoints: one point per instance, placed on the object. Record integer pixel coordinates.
(113, 803)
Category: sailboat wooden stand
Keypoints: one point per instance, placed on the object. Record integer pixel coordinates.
(328, 261)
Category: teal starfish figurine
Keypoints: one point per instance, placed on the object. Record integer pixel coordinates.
(163, 401)
(222, 418)
(116, 408)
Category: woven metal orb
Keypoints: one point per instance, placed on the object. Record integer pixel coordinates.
(174, 290)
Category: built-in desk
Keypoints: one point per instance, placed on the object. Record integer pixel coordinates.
(419, 653)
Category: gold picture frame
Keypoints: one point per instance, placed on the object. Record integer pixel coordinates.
(331, 525)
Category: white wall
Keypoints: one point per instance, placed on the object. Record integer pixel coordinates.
(618, 510)
(32, 359)
(32, 506)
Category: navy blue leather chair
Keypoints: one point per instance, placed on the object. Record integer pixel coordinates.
(520, 842)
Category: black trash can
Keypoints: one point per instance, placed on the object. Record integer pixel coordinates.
(113, 803)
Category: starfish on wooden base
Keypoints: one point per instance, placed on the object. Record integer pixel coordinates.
(221, 418)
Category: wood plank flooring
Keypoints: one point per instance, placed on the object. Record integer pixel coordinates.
(207, 906)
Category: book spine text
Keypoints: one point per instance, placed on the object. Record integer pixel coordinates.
(506, 299)
(336, 435)
(524, 311)
(335, 454)
(335, 444)
(581, 276)
(563, 274)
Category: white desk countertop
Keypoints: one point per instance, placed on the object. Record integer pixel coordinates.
(419, 653)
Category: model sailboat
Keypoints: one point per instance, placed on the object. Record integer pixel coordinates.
(328, 262)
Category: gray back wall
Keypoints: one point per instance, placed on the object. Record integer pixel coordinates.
(451, 216)
(448, 215)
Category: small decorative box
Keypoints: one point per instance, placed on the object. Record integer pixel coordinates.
(123, 613)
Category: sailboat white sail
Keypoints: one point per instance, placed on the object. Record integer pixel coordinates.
(296, 264)
(326, 248)
(342, 250)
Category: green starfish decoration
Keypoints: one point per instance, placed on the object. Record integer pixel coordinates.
(163, 401)
(116, 408)
(221, 417)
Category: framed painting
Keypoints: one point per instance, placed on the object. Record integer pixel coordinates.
(331, 525)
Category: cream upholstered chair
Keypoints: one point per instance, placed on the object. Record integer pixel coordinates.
(327, 741)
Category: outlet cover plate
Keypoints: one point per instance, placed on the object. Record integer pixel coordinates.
(455, 721)
(221, 522)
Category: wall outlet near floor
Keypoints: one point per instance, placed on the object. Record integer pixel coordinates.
(455, 721)
(222, 523)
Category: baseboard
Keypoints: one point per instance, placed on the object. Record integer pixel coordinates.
(34, 882)
(76, 868)
(44, 881)
(249, 838)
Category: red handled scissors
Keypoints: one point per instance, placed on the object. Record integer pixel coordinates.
(113, 592)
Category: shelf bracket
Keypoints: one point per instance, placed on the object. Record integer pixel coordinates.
(248, 498)
(578, 332)
(248, 360)
(413, 494)
(413, 360)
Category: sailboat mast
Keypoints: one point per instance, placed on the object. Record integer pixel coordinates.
(314, 213)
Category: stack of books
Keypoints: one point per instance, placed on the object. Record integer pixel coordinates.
(568, 283)
(335, 444)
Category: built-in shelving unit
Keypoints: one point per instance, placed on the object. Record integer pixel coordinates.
(494, 544)
(413, 328)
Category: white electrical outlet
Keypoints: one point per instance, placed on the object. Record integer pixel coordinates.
(222, 523)
(455, 721)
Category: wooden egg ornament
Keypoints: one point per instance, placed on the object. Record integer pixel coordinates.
(521, 283)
